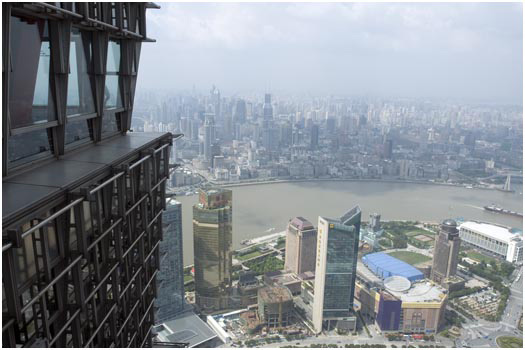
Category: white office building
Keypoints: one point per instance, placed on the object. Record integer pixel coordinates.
(493, 239)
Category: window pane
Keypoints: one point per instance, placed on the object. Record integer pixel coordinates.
(112, 98)
(76, 131)
(113, 64)
(109, 123)
(28, 144)
(79, 93)
(30, 99)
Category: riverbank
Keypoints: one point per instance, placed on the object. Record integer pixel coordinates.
(258, 208)
(269, 182)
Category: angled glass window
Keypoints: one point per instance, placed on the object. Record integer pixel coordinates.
(79, 92)
(30, 98)
(137, 22)
(109, 123)
(76, 130)
(28, 144)
(112, 97)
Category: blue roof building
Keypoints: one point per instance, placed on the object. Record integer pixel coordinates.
(384, 265)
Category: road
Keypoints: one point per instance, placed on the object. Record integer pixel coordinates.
(512, 314)
(483, 334)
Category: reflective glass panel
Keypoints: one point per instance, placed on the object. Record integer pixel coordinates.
(30, 98)
(113, 64)
(79, 93)
(28, 144)
(112, 97)
(76, 131)
(109, 123)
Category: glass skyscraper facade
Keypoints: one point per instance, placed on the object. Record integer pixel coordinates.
(170, 280)
(335, 273)
(80, 230)
(212, 244)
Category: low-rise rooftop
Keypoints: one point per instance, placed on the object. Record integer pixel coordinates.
(273, 294)
(498, 233)
(420, 292)
(301, 223)
(186, 328)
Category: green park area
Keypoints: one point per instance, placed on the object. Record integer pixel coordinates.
(267, 264)
(400, 233)
(249, 255)
(188, 278)
(410, 257)
(281, 243)
(510, 342)
(479, 257)
(407, 228)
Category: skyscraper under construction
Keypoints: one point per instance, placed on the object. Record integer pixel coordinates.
(82, 196)
(212, 244)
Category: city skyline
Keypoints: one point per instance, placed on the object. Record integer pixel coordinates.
(464, 52)
(118, 221)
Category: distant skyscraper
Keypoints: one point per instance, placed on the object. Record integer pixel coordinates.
(240, 112)
(170, 280)
(387, 149)
(446, 250)
(335, 273)
(330, 124)
(269, 135)
(362, 121)
(301, 245)
(314, 136)
(209, 136)
(375, 221)
(194, 134)
(215, 96)
(212, 244)
(267, 107)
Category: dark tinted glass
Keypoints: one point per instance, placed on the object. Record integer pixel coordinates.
(109, 123)
(76, 131)
(112, 97)
(28, 144)
(79, 93)
(30, 98)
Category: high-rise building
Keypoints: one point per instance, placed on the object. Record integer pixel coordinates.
(269, 135)
(209, 136)
(301, 245)
(275, 306)
(314, 136)
(267, 107)
(170, 279)
(215, 96)
(446, 250)
(335, 273)
(375, 222)
(212, 244)
(387, 149)
(240, 112)
(82, 196)
(330, 125)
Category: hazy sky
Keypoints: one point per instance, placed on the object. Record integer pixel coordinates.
(463, 51)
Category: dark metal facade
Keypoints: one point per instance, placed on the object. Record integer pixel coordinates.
(96, 42)
(82, 220)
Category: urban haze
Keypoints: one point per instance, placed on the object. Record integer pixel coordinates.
(322, 175)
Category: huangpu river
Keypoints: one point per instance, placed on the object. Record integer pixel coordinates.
(259, 208)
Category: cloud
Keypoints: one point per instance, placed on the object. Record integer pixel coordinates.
(403, 48)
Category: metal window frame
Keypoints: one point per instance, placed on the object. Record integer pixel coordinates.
(94, 17)
(133, 268)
